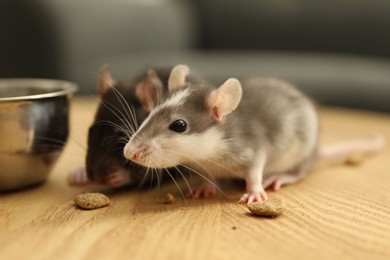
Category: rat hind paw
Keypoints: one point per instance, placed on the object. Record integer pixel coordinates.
(277, 181)
(253, 197)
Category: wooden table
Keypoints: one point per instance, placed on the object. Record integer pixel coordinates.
(335, 213)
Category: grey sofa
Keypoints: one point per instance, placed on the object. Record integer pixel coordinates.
(336, 51)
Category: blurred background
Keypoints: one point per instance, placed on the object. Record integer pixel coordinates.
(336, 51)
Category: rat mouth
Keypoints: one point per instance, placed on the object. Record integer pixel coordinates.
(141, 157)
(147, 162)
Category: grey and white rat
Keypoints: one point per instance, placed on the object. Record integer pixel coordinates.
(122, 108)
(261, 129)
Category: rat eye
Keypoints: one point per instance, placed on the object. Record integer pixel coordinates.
(178, 126)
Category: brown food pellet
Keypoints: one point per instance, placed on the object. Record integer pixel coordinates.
(91, 200)
(355, 159)
(169, 198)
(269, 208)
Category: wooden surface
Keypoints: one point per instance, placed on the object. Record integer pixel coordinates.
(335, 213)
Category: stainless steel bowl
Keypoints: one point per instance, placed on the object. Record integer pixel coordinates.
(34, 127)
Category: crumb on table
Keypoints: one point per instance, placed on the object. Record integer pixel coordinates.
(169, 198)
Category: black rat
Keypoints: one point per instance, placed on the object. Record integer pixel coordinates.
(122, 108)
(263, 130)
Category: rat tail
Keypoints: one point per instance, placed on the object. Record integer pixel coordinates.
(349, 152)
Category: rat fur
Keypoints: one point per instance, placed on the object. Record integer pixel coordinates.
(262, 130)
(122, 108)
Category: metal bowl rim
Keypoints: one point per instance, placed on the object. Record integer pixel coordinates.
(62, 88)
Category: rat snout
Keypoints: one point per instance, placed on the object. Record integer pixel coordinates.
(131, 155)
(146, 153)
(136, 152)
(130, 151)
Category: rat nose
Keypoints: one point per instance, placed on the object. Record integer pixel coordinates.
(133, 156)
(129, 153)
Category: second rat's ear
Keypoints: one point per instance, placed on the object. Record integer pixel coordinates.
(149, 90)
(177, 78)
(225, 99)
(106, 81)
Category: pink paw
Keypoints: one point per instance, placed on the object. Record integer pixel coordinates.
(117, 178)
(203, 191)
(78, 177)
(253, 197)
(273, 182)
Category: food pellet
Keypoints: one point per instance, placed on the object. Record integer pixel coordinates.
(355, 159)
(91, 200)
(169, 198)
(269, 208)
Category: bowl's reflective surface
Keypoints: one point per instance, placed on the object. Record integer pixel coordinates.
(34, 126)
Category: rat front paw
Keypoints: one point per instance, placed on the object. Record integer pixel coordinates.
(117, 178)
(78, 177)
(203, 191)
(253, 197)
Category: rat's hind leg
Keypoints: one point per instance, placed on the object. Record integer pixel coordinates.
(276, 181)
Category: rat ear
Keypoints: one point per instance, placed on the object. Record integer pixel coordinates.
(225, 99)
(106, 81)
(177, 78)
(149, 90)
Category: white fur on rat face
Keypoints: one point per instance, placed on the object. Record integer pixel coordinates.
(262, 127)
(166, 148)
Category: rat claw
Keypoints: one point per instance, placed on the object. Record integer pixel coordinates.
(117, 178)
(247, 198)
(208, 193)
(244, 198)
(276, 185)
(196, 194)
(190, 194)
(254, 198)
(78, 177)
(263, 196)
(203, 191)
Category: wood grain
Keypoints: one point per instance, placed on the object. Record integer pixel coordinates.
(335, 213)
